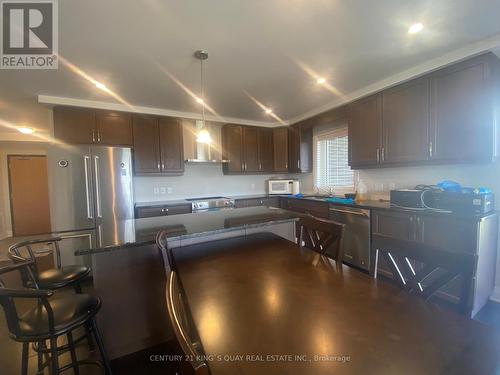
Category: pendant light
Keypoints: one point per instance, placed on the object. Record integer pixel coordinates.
(203, 135)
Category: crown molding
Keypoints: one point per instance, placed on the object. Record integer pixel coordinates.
(489, 44)
(58, 100)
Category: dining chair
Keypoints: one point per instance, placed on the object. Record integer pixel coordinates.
(322, 235)
(50, 318)
(184, 330)
(425, 270)
(53, 278)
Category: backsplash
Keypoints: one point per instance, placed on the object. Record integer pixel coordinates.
(201, 180)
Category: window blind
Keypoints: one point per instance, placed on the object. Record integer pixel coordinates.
(331, 168)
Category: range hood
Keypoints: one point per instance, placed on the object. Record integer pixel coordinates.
(197, 152)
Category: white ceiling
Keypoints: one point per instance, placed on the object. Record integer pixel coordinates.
(258, 48)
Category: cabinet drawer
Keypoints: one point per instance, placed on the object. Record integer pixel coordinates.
(179, 209)
(318, 209)
(142, 212)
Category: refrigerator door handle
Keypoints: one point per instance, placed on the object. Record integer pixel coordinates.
(86, 161)
(97, 187)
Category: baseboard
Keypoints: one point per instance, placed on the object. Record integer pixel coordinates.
(496, 294)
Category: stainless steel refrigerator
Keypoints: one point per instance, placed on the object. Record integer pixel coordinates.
(91, 197)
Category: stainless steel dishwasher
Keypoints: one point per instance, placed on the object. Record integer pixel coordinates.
(356, 234)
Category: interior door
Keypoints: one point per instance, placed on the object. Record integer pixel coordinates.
(171, 145)
(265, 150)
(250, 149)
(29, 194)
(405, 113)
(364, 127)
(146, 145)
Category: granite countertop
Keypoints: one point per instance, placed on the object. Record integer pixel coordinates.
(139, 232)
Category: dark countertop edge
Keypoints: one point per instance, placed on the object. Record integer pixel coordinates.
(182, 237)
(368, 204)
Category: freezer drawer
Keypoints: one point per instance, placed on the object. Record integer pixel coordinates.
(356, 241)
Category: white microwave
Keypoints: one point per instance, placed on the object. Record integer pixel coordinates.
(283, 187)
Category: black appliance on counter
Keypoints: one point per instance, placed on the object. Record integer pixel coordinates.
(432, 198)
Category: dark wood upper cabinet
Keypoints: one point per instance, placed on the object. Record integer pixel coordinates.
(171, 145)
(463, 110)
(306, 149)
(147, 157)
(114, 128)
(365, 131)
(250, 149)
(74, 125)
(265, 149)
(232, 148)
(405, 119)
(280, 149)
(294, 148)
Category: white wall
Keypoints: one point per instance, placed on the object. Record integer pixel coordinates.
(202, 180)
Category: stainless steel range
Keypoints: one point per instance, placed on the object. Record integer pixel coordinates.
(211, 204)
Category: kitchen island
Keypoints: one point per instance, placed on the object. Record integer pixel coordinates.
(130, 277)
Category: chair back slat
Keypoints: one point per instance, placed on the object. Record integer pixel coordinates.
(182, 325)
(321, 235)
(438, 268)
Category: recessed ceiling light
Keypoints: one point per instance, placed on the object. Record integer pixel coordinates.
(25, 130)
(415, 28)
(199, 100)
(320, 80)
(101, 86)
(269, 111)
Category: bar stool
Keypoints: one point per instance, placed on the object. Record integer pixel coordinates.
(50, 318)
(54, 278)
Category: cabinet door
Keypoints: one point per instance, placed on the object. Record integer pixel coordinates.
(280, 150)
(306, 146)
(405, 115)
(74, 125)
(265, 150)
(114, 128)
(462, 112)
(364, 127)
(146, 135)
(232, 148)
(294, 149)
(178, 209)
(447, 232)
(250, 149)
(171, 147)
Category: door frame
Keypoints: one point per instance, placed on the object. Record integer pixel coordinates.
(9, 178)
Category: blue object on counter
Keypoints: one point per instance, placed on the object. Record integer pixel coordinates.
(300, 195)
(448, 185)
(340, 200)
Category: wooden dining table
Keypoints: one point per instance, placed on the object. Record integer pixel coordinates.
(263, 305)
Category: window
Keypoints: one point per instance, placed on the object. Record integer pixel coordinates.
(331, 170)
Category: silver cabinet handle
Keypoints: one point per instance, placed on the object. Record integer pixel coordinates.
(97, 186)
(298, 164)
(98, 136)
(260, 166)
(430, 149)
(349, 212)
(93, 135)
(378, 155)
(86, 161)
(383, 153)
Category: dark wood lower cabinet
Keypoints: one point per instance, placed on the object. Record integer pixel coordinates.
(255, 202)
(447, 232)
(162, 210)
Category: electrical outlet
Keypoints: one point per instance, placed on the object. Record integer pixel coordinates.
(170, 190)
(156, 191)
(163, 190)
(252, 186)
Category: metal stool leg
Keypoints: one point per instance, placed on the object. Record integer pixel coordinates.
(54, 356)
(39, 353)
(100, 345)
(88, 333)
(73, 353)
(25, 359)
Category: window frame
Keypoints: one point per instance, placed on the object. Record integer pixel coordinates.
(323, 134)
